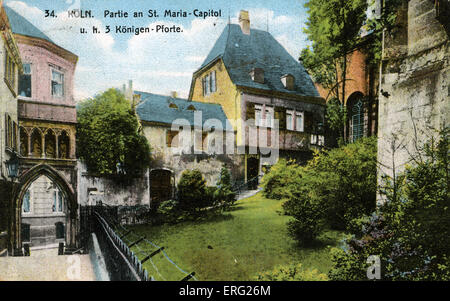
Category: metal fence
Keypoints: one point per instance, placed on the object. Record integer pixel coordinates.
(121, 263)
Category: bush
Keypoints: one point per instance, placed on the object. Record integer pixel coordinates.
(411, 230)
(192, 191)
(292, 273)
(224, 194)
(278, 182)
(335, 189)
(349, 184)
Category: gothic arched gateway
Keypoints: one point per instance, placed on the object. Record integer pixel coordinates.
(19, 191)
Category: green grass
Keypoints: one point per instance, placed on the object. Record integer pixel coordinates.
(250, 239)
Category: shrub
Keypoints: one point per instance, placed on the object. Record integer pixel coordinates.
(411, 230)
(191, 190)
(304, 206)
(224, 194)
(292, 273)
(335, 189)
(167, 208)
(278, 182)
(349, 182)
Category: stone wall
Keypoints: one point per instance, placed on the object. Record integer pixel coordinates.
(92, 189)
(174, 160)
(415, 85)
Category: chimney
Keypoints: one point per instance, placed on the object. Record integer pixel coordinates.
(128, 91)
(244, 22)
(174, 94)
(130, 85)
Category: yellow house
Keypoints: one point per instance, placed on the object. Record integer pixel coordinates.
(259, 85)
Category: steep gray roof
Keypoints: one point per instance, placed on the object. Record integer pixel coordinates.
(155, 108)
(22, 26)
(241, 53)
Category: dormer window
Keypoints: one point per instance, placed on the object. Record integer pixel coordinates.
(209, 83)
(288, 81)
(257, 75)
(191, 108)
(173, 106)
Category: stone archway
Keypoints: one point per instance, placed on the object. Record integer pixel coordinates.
(25, 180)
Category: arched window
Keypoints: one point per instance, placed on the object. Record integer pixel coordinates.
(355, 113)
(23, 142)
(173, 106)
(36, 144)
(64, 146)
(50, 144)
(357, 120)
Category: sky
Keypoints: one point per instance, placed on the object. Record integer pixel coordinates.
(155, 62)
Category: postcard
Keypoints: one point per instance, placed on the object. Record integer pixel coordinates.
(258, 141)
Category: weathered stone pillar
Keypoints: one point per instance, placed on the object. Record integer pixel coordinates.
(43, 146)
(29, 144)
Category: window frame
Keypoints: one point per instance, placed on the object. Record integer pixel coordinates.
(31, 202)
(357, 115)
(269, 123)
(59, 201)
(290, 113)
(259, 121)
(57, 70)
(10, 72)
(31, 81)
(209, 83)
(300, 128)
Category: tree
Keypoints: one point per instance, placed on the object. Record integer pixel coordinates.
(193, 194)
(224, 193)
(108, 137)
(333, 26)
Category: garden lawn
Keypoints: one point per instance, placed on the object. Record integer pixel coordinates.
(236, 245)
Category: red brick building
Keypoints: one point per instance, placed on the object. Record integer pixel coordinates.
(361, 93)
